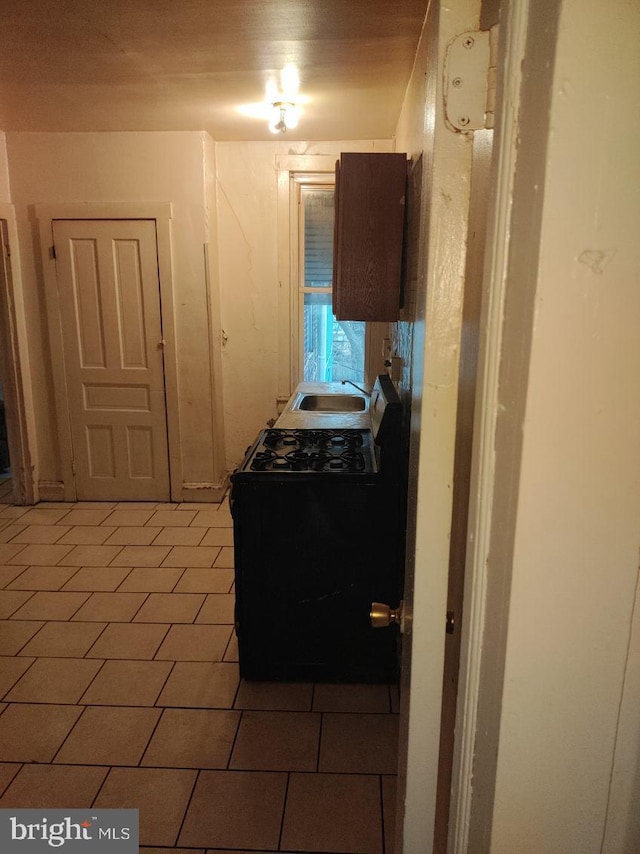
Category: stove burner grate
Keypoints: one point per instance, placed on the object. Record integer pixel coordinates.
(327, 450)
(313, 438)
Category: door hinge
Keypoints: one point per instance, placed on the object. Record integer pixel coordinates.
(73, 467)
(470, 80)
(52, 253)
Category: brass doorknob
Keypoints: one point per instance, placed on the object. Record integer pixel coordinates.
(383, 615)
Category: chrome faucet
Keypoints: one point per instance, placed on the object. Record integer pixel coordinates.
(351, 382)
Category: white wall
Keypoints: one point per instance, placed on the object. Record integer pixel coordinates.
(124, 167)
(575, 498)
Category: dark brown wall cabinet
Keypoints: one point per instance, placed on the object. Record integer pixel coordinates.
(367, 258)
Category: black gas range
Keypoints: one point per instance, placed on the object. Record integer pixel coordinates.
(318, 536)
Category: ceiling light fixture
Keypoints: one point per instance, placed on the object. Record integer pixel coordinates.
(283, 100)
(284, 116)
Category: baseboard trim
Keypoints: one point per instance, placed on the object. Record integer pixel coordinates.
(51, 490)
(205, 492)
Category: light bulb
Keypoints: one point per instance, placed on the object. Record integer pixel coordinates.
(276, 119)
(284, 116)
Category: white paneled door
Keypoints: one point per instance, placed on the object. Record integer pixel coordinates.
(109, 294)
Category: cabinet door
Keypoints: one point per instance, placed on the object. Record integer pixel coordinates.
(337, 246)
(370, 203)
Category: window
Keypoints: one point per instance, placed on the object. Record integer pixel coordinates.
(330, 350)
(312, 344)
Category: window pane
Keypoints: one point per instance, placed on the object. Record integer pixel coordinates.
(318, 237)
(333, 349)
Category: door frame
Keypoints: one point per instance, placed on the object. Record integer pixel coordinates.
(435, 366)
(161, 213)
(17, 390)
(473, 666)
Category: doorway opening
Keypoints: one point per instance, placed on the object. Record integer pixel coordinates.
(16, 486)
(103, 395)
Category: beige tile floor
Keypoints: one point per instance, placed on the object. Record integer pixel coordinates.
(119, 687)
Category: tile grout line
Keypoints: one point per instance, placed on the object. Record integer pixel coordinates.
(149, 740)
(320, 736)
(383, 840)
(284, 810)
(64, 740)
(235, 736)
(187, 806)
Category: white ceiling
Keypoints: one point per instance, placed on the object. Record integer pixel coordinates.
(112, 65)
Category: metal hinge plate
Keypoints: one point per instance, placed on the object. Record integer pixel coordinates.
(469, 84)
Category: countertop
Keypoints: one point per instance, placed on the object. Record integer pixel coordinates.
(293, 418)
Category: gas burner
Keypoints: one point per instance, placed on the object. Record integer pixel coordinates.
(355, 459)
(340, 439)
(278, 438)
(263, 460)
(318, 460)
(300, 460)
(307, 438)
(352, 461)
